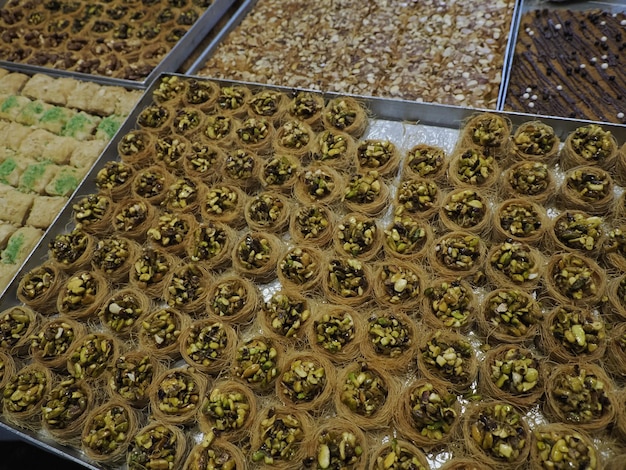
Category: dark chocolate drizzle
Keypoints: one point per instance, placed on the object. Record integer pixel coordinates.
(551, 57)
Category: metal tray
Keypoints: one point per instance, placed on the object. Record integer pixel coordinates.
(248, 5)
(30, 70)
(405, 123)
(525, 6)
(170, 63)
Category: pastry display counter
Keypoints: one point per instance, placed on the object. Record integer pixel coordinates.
(233, 205)
(338, 241)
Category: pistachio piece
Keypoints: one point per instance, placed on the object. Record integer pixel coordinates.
(417, 196)
(338, 449)
(169, 88)
(342, 113)
(227, 410)
(161, 328)
(357, 235)
(256, 362)
(278, 170)
(300, 265)
(280, 438)
(150, 183)
(364, 391)
(499, 431)
(511, 313)
(561, 448)
(186, 286)
(38, 283)
(221, 200)
(266, 103)
(305, 105)
(333, 146)
(466, 208)
(169, 231)
(535, 138)
(529, 178)
(425, 161)
(578, 395)
(303, 380)
(186, 120)
(153, 116)
(107, 430)
(122, 310)
(397, 456)
(67, 248)
(254, 131)
(25, 390)
(574, 277)
(151, 267)
(451, 303)
(218, 127)
(113, 175)
(15, 326)
(515, 371)
(520, 219)
(266, 210)
(515, 261)
(577, 330)
(294, 135)
(231, 97)
(206, 343)
(375, 153)
(178, 393)
(459, 251)
(285, 314)
(592, 143)
(240, 165)
(589, 184)
(182, 194)
(579, 231)
(111, 254)
(312, 222)
(92, 356)
(154, 447)
(397, 284)
(405, 236)
(347, 278)
(91, 210)
(449, 358)
(390, 334)
(433, 411)
(132, 376)
(334, 330)
(169, 150)
(65, 404)
(488, 130)
(254, 251)
(80, 291)
(474, 167)
(210, 241)
(53, 340)
(364, 188)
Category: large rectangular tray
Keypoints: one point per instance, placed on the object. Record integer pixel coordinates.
(525, 6)
(405, 123)
(248, 5)
(170, 63)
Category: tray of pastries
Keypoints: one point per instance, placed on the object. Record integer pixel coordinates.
(569, 61)
(441, 52)
(124, 42)
(53, 130)
(265, 277)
